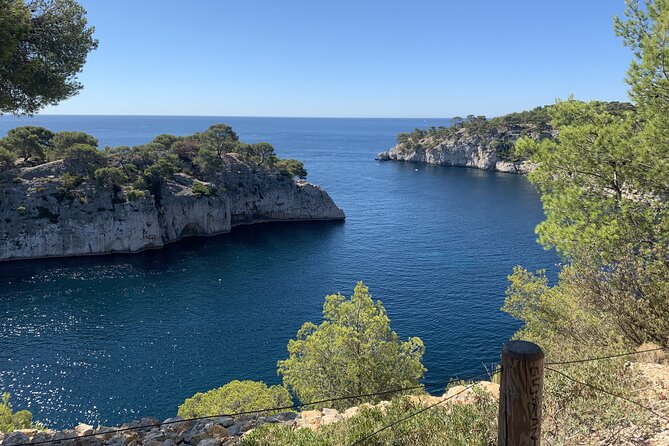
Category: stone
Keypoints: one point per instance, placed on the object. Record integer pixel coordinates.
(223, 421)
(310, 419)
(83, 429)
(235, 429)
(350, 412)
(287, 416)
(14, 438)
(210, 442)
(42, 436)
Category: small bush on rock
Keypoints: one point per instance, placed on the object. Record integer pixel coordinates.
(236, 396)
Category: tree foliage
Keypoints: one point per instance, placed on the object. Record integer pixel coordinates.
(43, 46)
(291, 168)
(352, 352)
(29, 141)
(62, 141)
(234, 397)
(82, 158)
(7, 158)
(10, 420)
(604, 188)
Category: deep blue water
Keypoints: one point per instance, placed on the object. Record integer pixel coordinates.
(112, 338)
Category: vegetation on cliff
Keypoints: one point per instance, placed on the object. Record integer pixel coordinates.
(132, 172)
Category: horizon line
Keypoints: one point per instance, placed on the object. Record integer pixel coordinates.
(223, 116)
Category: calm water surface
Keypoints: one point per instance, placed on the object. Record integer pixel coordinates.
(106, 339)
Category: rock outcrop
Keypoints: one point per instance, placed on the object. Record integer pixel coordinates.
(40, 216)
(464, 148)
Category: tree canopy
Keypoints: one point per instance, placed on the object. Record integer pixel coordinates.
(352, 352)
(43, 46)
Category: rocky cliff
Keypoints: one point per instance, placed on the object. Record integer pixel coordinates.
(41, 216)
(487, 149)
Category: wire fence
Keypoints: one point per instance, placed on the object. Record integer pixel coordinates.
(367, 437)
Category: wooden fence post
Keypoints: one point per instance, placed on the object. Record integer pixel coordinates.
(520, 394)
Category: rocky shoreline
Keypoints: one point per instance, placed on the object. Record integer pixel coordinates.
(40, 218)
(217, 431)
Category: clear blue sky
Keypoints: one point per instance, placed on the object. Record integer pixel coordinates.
(420, 58)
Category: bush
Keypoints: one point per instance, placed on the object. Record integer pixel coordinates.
(203, 190)
(7, 158)
(453, 425)
(134, 194)
(11, 421)
(82, 158)
(291, 168)
(110, 178)
(353, 351)
(234, 397)
(64, 140)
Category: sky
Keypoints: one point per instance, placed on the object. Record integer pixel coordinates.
(363, 58)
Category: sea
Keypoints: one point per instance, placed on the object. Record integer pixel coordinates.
(107, 339)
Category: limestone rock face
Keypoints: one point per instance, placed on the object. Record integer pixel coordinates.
(39, 218)
(462, 149)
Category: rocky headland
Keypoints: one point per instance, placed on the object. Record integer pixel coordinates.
(38, 218)
(479, 142)
(132, 199)
(474, 142)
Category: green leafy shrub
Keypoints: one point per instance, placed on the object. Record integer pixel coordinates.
(353, 351)
(11, 421)
(64, 140)
(291, 168)
(7, 158)
(236, 396)
(110, 178)
(203, 190)
(134, 194)
(82, 158)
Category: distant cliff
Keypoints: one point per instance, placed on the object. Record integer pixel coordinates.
(473, 142)
(478, 142)
(131, 199)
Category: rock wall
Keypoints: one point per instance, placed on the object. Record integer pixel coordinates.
(462, 149)
(38, 218)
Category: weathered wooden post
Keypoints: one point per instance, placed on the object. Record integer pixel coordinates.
(520, 394)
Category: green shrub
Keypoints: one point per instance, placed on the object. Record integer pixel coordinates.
(203, 190)
(7, 158)
(62, 141)
(134, 194)
(236, 396)
(110, 177)
(11, 421)
(84, 158)
(69, 181)
(291, 168)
